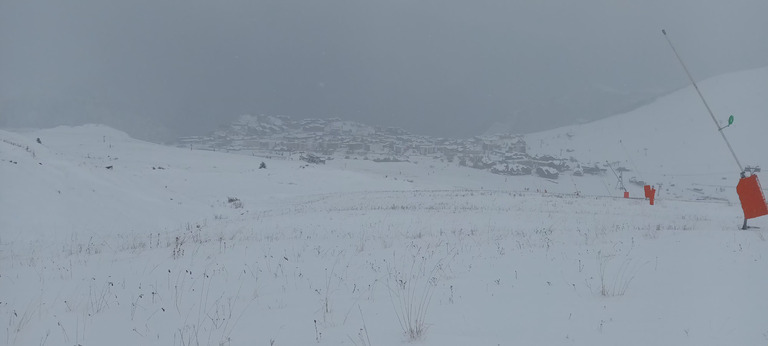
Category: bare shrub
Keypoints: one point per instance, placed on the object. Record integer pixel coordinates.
(615, 284)
(411, 295)
(235, 202)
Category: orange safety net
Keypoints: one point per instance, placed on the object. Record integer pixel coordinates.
(751, 196)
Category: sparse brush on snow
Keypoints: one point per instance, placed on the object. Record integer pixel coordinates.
(411, 295)
(363, 339)
(461, 256)
(616, 282)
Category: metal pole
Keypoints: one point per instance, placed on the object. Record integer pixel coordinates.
(719, 129)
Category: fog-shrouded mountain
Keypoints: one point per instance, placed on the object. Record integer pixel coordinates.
(449, 68)
(671, 137)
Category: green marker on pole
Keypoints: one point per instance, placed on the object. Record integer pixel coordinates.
(730, 122)
(712, 115)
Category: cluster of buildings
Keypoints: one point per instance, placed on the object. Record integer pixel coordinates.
(277, 136)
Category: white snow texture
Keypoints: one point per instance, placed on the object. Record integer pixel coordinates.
(173, 246)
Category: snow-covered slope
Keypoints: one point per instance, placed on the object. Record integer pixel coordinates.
(105, 239)
(94, 178)
(674, 140)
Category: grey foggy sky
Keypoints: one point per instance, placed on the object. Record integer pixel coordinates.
(440, 67)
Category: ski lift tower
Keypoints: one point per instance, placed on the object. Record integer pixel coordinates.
(619, 178)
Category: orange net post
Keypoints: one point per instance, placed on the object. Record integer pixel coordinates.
(752, 198)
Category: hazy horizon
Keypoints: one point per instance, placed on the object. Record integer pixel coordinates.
(160, 69)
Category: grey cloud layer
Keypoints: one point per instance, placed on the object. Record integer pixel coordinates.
(449, 68)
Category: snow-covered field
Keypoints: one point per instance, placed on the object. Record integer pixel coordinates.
(179, 247)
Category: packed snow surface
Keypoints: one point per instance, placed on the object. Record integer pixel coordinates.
(107, 240)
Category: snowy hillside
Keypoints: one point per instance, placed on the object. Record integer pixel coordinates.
(107, 240)
(673, 140)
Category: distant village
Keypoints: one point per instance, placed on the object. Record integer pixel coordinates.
(318, 140)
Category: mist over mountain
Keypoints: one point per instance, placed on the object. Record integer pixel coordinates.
(163, 69)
